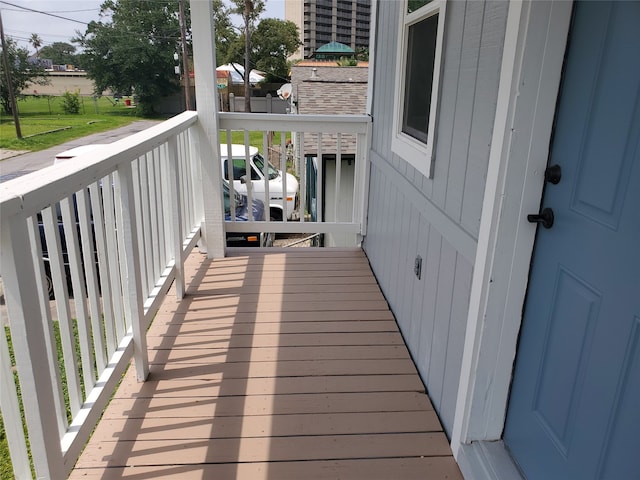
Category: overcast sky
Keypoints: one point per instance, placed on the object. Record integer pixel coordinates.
(20, 23)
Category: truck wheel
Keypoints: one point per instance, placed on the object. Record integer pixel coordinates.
(49, 284)
(275, 215)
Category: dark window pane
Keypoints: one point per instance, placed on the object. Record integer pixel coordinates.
(413, 5)
(419, 77)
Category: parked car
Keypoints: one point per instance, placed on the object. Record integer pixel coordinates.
(256, 177)
(242, 215)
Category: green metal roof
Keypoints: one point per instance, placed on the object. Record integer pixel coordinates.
(336, 47)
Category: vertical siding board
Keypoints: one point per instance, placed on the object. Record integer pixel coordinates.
(429, 292)
(374, 237)
(384, 98)
(464, 113)
(387, 244)
(389, 17)
(457, 329)
(445, 135)
(378, 260)
(380, 217)
(409, 217)
(390, 227)
(389, 80)
(372, 214)
(399, 257)
(442, 318)
(378, 214)
(484, 107)
(420, 235)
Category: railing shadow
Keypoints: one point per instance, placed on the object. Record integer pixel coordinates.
(205, 413)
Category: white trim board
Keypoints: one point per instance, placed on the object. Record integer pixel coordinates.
(533, 55)
(487, 461)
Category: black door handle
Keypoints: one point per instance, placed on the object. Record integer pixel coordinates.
(553, 174)
(545, 218)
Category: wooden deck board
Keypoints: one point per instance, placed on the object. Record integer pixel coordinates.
(264, 426)
(406, 468)
(277, 365)
(199, 328)
(273, 449)
(176, 313)
(271, 354)
(178, 384)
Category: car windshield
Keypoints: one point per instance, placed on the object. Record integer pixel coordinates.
(259, 162)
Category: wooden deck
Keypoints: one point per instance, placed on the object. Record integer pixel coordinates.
(275, 366)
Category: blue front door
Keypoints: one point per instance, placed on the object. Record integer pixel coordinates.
(574, 410)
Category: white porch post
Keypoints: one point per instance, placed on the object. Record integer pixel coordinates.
(206, 141)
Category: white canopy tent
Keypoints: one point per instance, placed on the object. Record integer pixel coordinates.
(254, 75)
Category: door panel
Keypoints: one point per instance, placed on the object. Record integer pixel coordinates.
(573, 411)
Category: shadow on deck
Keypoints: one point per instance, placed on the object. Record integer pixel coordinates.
(276, 365)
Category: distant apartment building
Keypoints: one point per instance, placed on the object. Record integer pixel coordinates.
(324, 21)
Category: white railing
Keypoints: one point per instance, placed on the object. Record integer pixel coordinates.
(329, 152)
(105, 235)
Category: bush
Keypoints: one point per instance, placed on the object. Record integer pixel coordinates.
(347, 62)
(71, 102)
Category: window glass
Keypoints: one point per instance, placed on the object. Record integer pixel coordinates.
(413, 5)
(240, 169)
(419, 77)
(259, 162)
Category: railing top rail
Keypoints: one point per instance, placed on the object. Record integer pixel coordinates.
(295, 123)
(31, 193)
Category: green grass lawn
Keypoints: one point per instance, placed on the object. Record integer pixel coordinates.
(255, 138)
(44, 123)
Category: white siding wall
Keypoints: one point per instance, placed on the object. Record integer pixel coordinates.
(437, 218)
(345, 202)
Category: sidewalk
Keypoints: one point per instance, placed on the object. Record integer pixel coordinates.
(4, 154)
(15, 163)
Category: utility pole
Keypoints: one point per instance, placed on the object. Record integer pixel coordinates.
(12, 97)
(185, 58)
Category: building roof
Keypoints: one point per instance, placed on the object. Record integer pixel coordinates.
(325, 88)
(336, 47)
(328, 63)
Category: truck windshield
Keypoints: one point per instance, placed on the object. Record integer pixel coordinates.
(258, 160)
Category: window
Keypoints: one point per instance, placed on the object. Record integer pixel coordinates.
(417, 82)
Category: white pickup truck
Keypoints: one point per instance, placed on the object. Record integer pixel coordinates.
(257, 181)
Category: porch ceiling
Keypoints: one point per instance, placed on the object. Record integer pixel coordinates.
(275, 365)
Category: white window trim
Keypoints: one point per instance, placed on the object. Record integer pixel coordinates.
(413, 151)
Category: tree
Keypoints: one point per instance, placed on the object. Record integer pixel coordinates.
(60, 53)
(36, 42)
(250, 10)
(273, 42)
(21, 72)
(362, 53)
(225, 33)
(132, 52)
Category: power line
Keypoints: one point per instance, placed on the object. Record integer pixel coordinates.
(43, 13)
